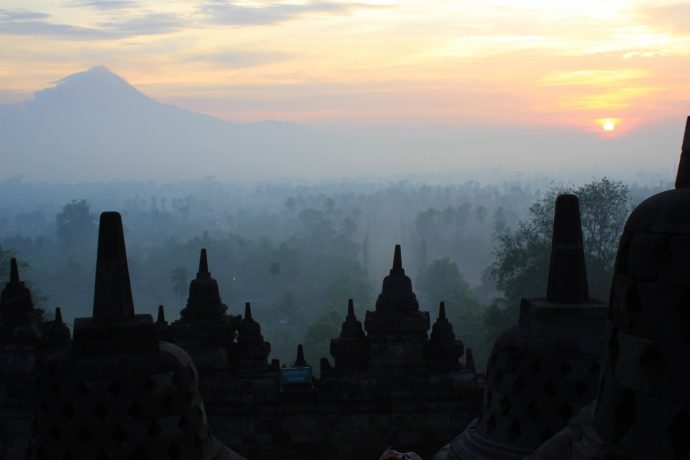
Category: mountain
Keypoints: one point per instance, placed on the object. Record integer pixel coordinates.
(95, 125)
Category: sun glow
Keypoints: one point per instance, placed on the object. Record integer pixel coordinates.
(608, 124)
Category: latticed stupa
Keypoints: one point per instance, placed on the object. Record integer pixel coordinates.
(546, 368)
(642, 409)
(117, 392)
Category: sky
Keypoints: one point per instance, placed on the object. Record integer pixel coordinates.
(588, 64)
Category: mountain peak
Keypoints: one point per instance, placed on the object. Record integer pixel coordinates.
(96, 83)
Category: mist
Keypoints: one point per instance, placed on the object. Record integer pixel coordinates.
(297, 217)
(94, 126)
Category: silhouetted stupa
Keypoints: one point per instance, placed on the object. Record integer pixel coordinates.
(250, 354)
(443, 351)
(545, 369)
(118, 393)
(18, 317)
(351, 349)
(397, 329)
(205, 330)
(642, 409)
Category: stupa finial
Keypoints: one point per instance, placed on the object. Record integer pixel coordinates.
(112, 293)
(683, 175)
(14, 271)
(397, 261)
(567, 270)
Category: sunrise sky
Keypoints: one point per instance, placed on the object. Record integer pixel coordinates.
(584, 63)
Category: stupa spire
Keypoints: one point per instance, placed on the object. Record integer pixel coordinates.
(203, 265)
(248, 312)
(683, 175)
(397, 262)
(204, 297)
(14, 271)
(351, 310)
(58, 316)
(442, 311)
(300, 361)
(567, 271)
(112, 293)
(161, 315)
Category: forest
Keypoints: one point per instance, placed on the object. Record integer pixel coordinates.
(297, 253)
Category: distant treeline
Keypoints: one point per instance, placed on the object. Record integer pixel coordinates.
(297, 253)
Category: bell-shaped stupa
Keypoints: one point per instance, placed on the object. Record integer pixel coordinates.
(351, 349)
(118, 393)
(547, 368)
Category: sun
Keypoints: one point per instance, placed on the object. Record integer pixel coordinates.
(608, 124)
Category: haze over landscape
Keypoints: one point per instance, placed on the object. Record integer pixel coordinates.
(269, 90)
(300, 140)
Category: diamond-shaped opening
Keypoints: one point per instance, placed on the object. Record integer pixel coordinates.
(518, 385)
(652, 365)
(490, 424)
(83, 390)
(176, 380)
(168, 404)
(183, 423)
(174, 452)
(566, 368)
(55, 389)
(149, 385)
(535, 366)
(681, 310)
(632, 305)
(505, 405)
(135, 409)
(514, 430)
(67, 411)
(565, 412)
(595, 368)
(154, 429)
(138, 455)
(550, 389)
(581, 389)
(54, 432)
(677, 432)
(120, 435)
(532, 409)
(100, 412)
(85, 435)
(623, 414)
(545, 435)
(614, 350)
(115, 388)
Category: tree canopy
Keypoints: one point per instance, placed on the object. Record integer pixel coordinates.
(522, 255)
